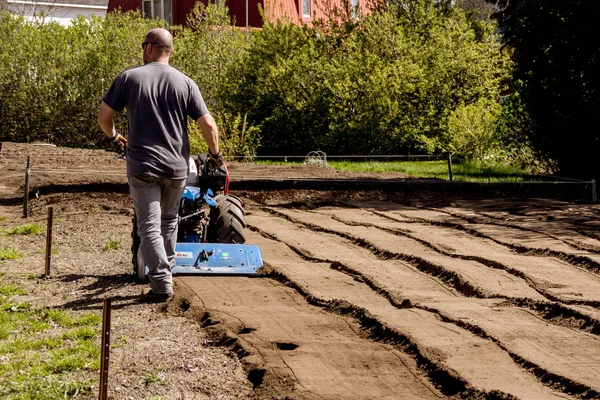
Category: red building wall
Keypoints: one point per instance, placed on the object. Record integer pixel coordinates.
(180, 8)
(274, 9)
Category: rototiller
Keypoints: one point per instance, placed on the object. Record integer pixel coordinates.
(210, 236)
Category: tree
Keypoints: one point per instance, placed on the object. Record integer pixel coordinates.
(558, 62)
(385, 84)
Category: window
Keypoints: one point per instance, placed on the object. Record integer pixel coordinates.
(306, 9)
(355, 9)
(158, 9)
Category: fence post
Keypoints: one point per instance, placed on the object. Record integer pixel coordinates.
(105, 350)
(26, 196)
(594, 193)
(49, 241)
(450, 174)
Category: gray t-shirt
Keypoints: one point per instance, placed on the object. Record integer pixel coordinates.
(158, 99)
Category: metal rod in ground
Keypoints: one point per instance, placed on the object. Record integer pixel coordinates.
(26, 196)
(450, 174)
(594, 194)
(49, 241)
(105, 350)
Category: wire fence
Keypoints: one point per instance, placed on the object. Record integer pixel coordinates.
(297, 158)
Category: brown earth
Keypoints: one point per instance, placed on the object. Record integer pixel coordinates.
(375, 286)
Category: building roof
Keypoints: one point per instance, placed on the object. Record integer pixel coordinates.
(103, 3)
(58, 3)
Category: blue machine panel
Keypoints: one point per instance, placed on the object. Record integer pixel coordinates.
(191, 193)
(216, 258)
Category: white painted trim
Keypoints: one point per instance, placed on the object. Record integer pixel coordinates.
(42, 3)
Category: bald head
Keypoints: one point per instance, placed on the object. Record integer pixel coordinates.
(161, 48)
(161, 37)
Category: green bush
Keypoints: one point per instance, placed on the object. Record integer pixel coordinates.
(207, 50)
(387, 83)
(53, 77)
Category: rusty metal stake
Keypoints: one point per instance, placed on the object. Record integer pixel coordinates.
(26, 196)
(49, 241)
(105, 350)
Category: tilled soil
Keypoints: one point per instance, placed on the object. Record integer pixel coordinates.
(430, 291)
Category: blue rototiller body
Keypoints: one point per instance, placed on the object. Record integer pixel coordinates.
(210, 236)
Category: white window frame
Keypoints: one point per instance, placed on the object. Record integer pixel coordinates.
(304, 15)
(355, 4)
(153, 13)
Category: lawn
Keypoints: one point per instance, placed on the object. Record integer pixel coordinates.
(471, 171)
(46, 353)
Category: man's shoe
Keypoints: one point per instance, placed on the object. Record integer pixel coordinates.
(151, 297)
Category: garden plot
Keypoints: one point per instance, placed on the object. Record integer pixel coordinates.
(365, 294)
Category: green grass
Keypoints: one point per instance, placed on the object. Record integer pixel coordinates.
(112, 243)
(29, 229)
(153, 377)
(463, 171)
(471, 171)
(46, 354)
(9, 253)
(7, 290)
(3, 218)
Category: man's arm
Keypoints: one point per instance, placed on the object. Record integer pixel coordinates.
(105, 120)
(210, 132)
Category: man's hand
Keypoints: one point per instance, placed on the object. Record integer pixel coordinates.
(215, 159)
(120, 144)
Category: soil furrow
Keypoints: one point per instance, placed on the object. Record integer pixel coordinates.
(566, 385)
(293, 349)
(387, 318)
(485, 218)
(592, 234)
(556, 313)
(451, 278)
(522, 340)
(589, 261)
(551, 311)
(582, 282)
(484, 261)
(422, 260)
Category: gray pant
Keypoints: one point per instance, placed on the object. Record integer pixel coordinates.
(156, 203)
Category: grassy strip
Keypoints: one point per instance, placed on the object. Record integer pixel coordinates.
(46, 353)
(471, 171)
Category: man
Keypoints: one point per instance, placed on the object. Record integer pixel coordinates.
(159, 100)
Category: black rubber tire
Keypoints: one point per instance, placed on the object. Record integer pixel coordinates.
(139, 268)
(227, 221)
